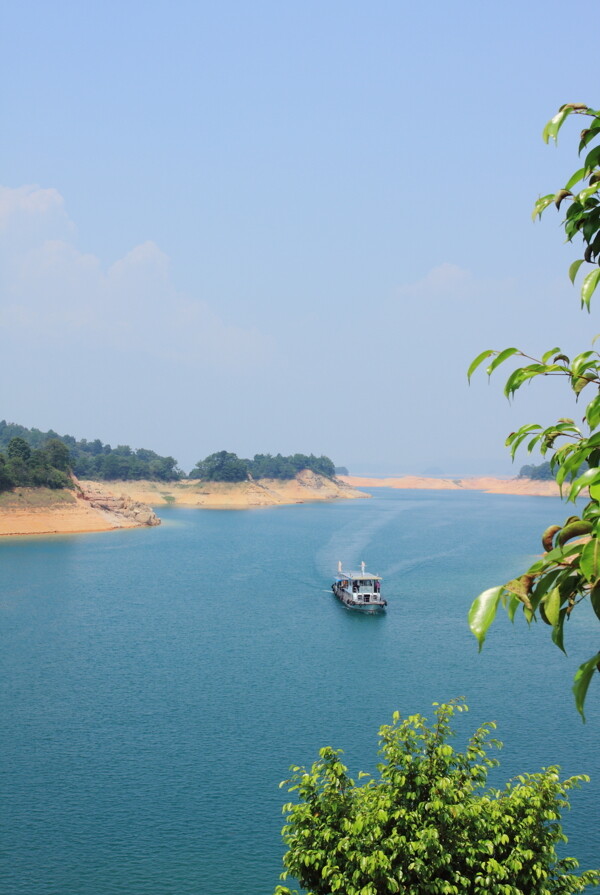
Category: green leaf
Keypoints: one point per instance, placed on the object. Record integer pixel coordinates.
(589, 284)
(500, 358)
(515, 439)
(585, 194)
(552, 128)
(577, 176)
(512, 607)
(479, 360)
(550, 607)
(589, 562)
(592, 158)
(548, 354)
(531, 444)
(588, 135)
(483, 611)
(578, 383)
(542, 203)
(574, 268)
(582, 680)
(558, 554)
(592, 412)
(558, 631)
(521, 375)
(589, 477)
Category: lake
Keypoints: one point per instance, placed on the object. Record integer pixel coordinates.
(158, 683)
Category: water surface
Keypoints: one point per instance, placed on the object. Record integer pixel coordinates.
(157, 683)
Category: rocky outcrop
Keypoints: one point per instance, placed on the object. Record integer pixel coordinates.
(130, 511)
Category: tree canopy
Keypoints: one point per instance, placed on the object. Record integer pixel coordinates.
(91, 459)
(23, 466)
(542, 472)
(227, 467)
(569, 571)
(428, 823)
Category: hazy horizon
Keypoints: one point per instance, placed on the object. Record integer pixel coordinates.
(283, 228)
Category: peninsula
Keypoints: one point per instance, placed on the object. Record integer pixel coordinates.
(56, 484)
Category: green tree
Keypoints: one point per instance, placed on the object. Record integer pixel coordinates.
(569, 571)
(222, 466)
(58, 454)
(428, 823)
(6, 481)
(19, 472)
(18, 449)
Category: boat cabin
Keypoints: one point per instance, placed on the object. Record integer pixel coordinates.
(359, 589)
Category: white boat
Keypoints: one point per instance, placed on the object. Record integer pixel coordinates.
(360, 591)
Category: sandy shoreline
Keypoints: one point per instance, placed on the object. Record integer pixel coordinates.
(489, 484)
(106, 506)
(111, 505)
(42, 511)
(67, 515)
(306, 487)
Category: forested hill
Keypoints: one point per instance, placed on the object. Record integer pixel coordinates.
(87, 459)
(30, 457)
(227, 467)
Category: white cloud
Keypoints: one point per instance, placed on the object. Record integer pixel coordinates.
(28, 204)
(444, 281)
(50, 289)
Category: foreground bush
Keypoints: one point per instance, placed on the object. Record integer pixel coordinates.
(428, 824)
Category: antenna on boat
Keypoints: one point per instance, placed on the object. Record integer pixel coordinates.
(362, 567)
(339, 565)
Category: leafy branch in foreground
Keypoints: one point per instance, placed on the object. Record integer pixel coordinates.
(583, 214)
(569, 571)
(428, 823)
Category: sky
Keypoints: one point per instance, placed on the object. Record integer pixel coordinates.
(287, 227)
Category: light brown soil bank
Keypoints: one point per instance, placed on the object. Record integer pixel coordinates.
(487, 483)
(36, 511)
(307, 486)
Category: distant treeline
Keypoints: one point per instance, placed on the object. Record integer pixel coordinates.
(94, 460)
(227, 467)
(542, 472)
(30, 457)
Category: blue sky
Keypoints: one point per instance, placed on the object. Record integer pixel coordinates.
(286, 226)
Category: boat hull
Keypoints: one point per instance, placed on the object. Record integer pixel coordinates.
(374, 605)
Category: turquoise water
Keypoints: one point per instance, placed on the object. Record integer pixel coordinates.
(157, 683)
